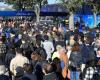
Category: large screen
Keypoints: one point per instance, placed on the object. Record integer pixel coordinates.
(88, 20)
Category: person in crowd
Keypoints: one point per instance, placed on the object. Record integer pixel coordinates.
(67, 36)
(41, 50)
(34, 58)
(97, 70)
(56, 64)
(4, 73)
(37, 61)
(3, 70)
(38, 36)
(87, 50)
(75, 62)
(97, 65)
(49, 74)
(17, 63)
(49, 33)
(89, 70)
(68, 48)
(62, 56)
(38, 70)
(64, 62)
(98, 53)
(56, 53)
(71, 40)
(96, 43)
(48, 46)
(2, 49)
(59, 40)
(92, 70)
(9, 56)
(28, 72)
(17, 40)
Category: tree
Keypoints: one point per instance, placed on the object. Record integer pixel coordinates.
(28, 4)
(95, 4)
(72, 6)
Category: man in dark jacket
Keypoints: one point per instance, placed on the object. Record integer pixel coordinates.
(87, 50)
(40, 50)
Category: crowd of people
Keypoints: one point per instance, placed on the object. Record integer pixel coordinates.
(32, 52)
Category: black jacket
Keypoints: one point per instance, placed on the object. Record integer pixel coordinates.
(76, 60)
(50, 76)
